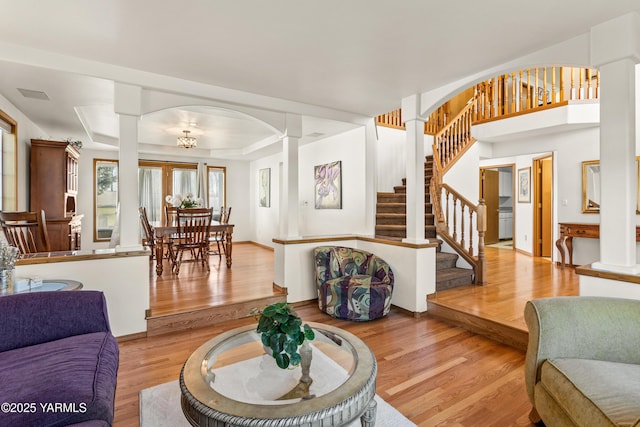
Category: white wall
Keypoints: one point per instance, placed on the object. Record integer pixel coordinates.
(522, 212)
(349, 148)
(391, 158)
(264, 220)
(569, 150)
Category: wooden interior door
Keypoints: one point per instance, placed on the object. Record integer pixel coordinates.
(543, 208)
(546, 220)
(490, 182)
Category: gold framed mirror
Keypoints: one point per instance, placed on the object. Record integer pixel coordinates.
(591, 186)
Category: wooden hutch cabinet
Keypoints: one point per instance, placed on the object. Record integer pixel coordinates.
(54, 188)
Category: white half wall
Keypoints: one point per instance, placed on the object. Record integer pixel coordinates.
(124, 281)
(596, 286)
(413, 269)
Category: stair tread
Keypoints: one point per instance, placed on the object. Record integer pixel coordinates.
(394, 214)
(453, 272)
(453, 277)
(398, 227)
(446, 255)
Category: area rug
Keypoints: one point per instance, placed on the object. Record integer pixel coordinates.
(160, 407)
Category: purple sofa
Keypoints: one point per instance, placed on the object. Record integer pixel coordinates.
(58, 360)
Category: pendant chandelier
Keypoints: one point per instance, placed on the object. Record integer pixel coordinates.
(187, 141)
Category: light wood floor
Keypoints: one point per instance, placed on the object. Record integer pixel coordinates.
(250, 277)
(434, 373)
(513, 279)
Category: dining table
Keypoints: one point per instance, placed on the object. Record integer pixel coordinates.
(161, 232)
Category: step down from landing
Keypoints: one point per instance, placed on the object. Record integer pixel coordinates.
(495, 330)
(162, 324)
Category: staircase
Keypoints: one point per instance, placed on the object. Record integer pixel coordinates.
(391, 224)
(391, 209)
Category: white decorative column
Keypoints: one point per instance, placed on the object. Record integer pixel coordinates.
(127, 104)
(615, 49)
(415, 169)
(371, 181)
(289, 199)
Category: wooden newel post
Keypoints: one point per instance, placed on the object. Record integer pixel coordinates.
(482, 227)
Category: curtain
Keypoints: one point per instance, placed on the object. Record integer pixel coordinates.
(185, 181)
(202, 184)
(115, 233)
(150, 193)
(9, 176)
(216, 188)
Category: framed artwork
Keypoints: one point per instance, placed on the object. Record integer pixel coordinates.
(328, 186)
(264, 187)
(524, 185)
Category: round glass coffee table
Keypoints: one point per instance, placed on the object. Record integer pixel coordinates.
(231, 381)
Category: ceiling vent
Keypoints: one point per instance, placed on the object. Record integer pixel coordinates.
(34, 94)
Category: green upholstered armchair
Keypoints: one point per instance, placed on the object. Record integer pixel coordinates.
(583, 361)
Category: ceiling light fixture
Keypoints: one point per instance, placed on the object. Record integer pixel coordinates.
(187, 141)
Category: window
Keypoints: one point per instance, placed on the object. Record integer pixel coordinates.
(105, 173)
(157, 180)
(216, 184)
(8, 163)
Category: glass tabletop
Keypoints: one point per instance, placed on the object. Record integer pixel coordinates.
(231, 379)
(240, 368)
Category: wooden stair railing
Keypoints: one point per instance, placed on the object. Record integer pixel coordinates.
(457, 220)
(454, 139)
(437, 120)
(503, 96)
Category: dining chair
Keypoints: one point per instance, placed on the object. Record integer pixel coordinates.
(26, 230)
(218, 237)
(149, 239)
(193, 227)
(170, 215)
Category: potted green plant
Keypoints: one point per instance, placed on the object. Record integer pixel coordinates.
(283, 333)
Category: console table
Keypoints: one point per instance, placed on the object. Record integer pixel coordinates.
(585, 231)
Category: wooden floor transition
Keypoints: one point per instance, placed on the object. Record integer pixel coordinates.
(432, 371)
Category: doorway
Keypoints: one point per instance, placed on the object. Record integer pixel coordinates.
(496, 188)
(543, 206)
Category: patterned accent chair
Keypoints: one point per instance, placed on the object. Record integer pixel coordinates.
(352, 284)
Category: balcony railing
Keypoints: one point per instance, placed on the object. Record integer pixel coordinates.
(525, 91)
(532, 90)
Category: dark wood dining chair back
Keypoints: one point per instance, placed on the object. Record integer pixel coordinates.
(219, 237)
(149, 234)
(225, 215)
(193, 225)
(170, 216)
(26, 230)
